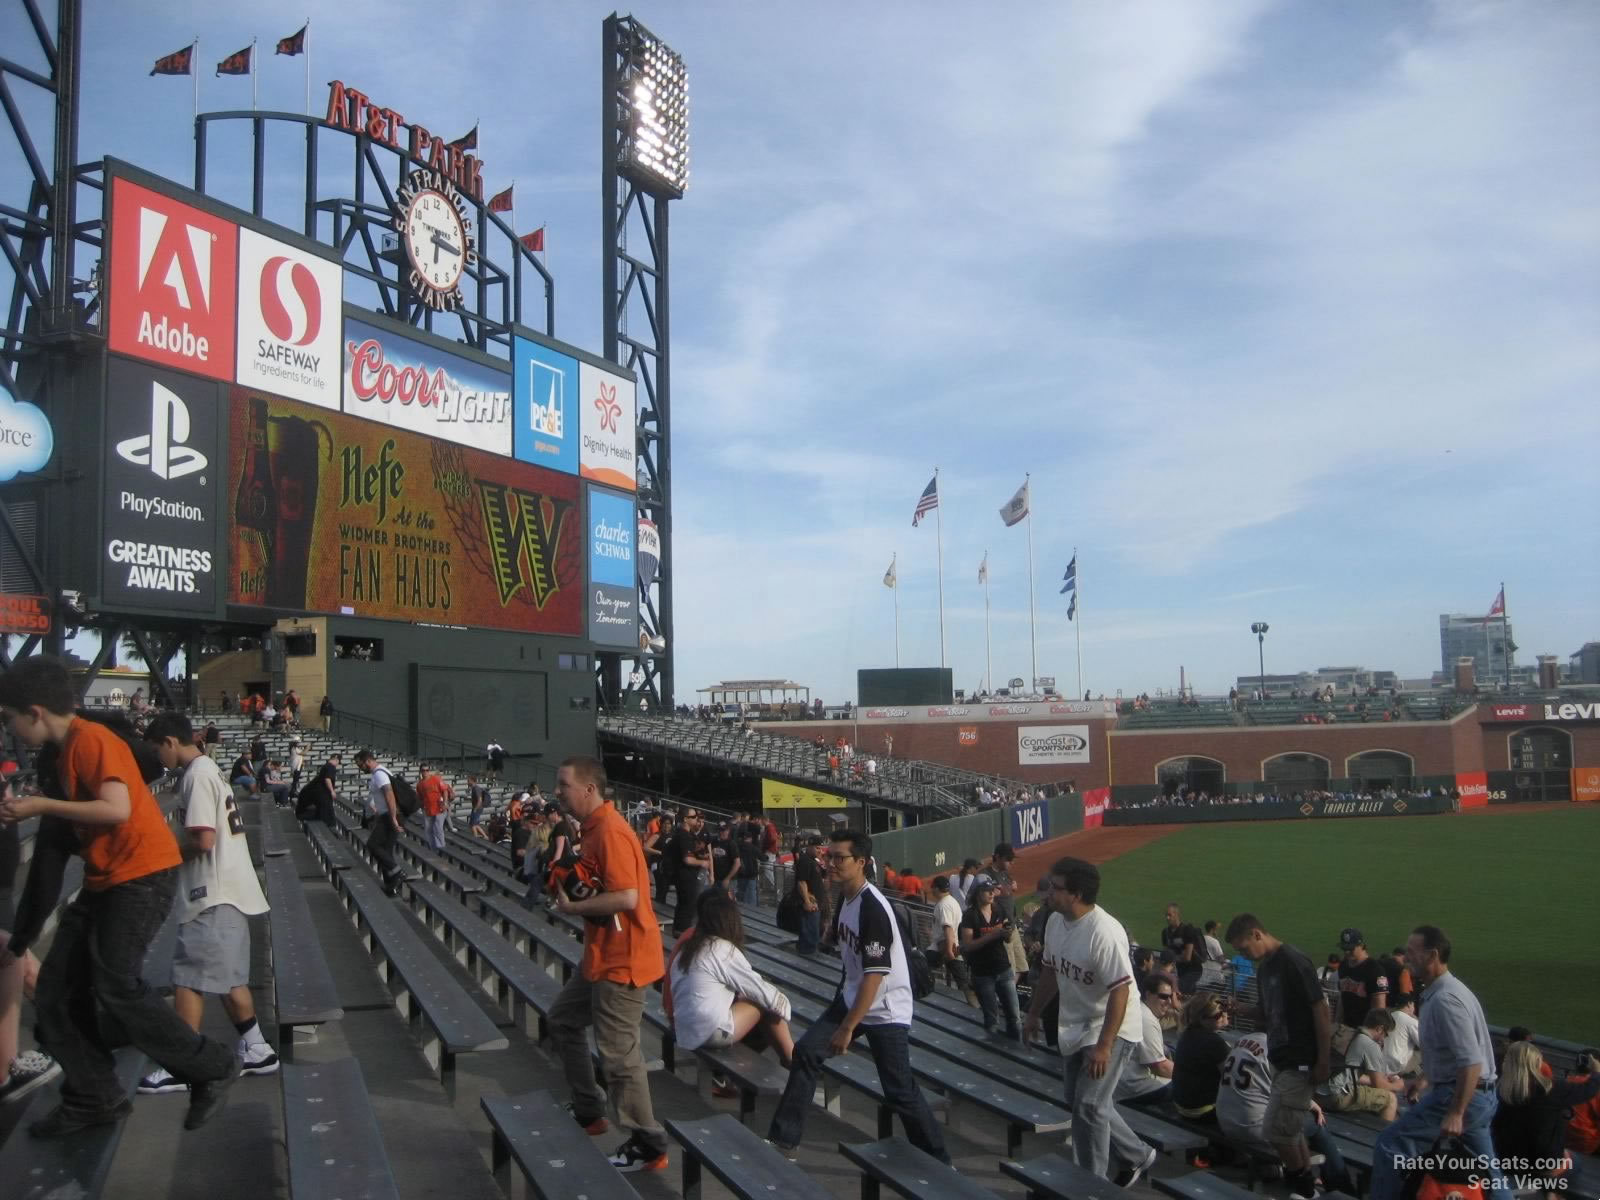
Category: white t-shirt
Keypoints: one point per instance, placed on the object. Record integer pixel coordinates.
(1403, 1041)
(225, 874)
(947, 912)
(870, 944)
(1090, 957)
(1139, 1079)
(377, 805)
(703, 995)
(1214, 950)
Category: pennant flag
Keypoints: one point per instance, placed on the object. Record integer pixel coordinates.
(1072, 606)
(1498, 608)
(237, 63)
(1071, 576)
(501, 201)
(295, 43)
(534, 241)
(983, 570)
(889, 576)
(1015, 508)
(467, 141)
(927, 502)
(176, 63)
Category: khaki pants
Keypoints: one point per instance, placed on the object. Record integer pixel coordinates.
(615, 1010)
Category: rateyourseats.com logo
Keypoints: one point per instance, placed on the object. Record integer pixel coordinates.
(164, 448)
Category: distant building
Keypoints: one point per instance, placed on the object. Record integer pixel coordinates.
(1585, 665)
(1488, 643)
(1342, 678)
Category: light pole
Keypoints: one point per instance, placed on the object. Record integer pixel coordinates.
(1260, 630)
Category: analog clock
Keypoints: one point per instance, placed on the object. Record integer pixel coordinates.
(437, 237)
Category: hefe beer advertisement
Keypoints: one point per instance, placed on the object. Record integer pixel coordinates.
(338, 515)
(163, 462)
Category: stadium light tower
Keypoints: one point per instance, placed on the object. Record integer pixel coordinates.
(645, 165)
(1260, 630)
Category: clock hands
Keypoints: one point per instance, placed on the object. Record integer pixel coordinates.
(440, 242)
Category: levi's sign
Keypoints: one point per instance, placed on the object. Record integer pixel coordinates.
(1572, 712)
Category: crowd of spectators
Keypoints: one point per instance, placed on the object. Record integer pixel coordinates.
(1201, 798)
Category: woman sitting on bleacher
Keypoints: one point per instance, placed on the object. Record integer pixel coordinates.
(715, 997)
(1197, 1061)
(1531, 1122)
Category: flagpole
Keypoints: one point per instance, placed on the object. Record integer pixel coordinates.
(1033, 630)
(938, 513)
(195, 59)
(255, 78)
(988, 664)
(893, 561)
(308, 66)
(1077, 595)
(1505, 635)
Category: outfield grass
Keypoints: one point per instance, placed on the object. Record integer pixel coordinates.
(1516, 892)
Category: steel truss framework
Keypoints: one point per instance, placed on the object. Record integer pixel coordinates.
(636, 276)
(355, 218)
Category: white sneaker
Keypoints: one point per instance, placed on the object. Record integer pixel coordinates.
(1144, 1167)
(160, 1082)
(256, 1058)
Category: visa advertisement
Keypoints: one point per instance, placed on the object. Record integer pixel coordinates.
(613, 595)
(412, 385)
(329, 514)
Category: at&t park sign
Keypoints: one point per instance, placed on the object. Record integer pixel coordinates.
(355, 111)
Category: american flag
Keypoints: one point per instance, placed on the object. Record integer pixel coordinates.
(927, 502)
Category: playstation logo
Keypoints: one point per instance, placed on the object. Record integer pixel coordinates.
(163, 449)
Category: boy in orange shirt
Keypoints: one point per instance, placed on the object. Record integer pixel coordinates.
(130, 876)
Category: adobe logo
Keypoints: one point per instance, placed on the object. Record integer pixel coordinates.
(171, 284)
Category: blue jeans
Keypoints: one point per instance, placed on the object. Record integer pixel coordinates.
(1335, 1175)
(891, 1051)
(435, 832)
(810, 932)
(997, 993)
(95, 966)
(1415, 1131)
(1097, 1126)
(744, 891)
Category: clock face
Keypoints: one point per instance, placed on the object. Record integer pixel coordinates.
(435, 240)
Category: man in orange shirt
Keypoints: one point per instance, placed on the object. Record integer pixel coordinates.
(434, 793)
(130, 875)
(910, 884)
(610, 889)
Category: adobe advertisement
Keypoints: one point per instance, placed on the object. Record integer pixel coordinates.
(607, 422)
(414, 385)
(336, 515)
(1050, 745)
(291, 306)
(613, 595)
(170, 288)
(163, 459)
(545, 397)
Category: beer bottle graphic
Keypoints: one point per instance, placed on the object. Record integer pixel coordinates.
(294, 451)
(255, 508)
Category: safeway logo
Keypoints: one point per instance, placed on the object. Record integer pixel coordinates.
(171, 284)
(289, 316)
(163, 449)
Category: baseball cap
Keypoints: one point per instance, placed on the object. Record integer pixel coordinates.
(1349, 939)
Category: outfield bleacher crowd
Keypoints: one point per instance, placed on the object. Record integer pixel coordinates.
(998, 1019)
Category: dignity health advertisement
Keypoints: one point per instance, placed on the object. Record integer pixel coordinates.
(332, 514)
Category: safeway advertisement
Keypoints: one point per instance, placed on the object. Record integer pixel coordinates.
(291, 307)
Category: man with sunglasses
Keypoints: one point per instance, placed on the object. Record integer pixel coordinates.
(874, 999)
(1148, 1079)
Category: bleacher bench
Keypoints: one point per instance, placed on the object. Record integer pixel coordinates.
(741, 1160)
(558, 1160)
(898, 1165)
(446, 1019)
(31, 1169)
(331, 1135)
(335, 855)
(303, 988)
(1055, 1177)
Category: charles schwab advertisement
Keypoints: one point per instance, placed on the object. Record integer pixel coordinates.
(613, 594)
(163, 459)
(337, 515)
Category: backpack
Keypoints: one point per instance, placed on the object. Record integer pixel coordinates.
(916, 962)
(405, 796)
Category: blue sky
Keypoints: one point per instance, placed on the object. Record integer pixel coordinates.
(1291, 310)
